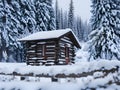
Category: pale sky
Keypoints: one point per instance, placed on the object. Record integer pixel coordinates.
(81, 7)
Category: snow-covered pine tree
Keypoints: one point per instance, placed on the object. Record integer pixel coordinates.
(80, 31)
(17, 20)
(44, 15)
(65, 21)
(3, 32)
(61, 19)
(51, 22)
(10, 30)
(117, 31)
(27, 21)
(87, 29)
(14, 31)
(41, 16)
(71, 15)
(104, 41)
(57, 15)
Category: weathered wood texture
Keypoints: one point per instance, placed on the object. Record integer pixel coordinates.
(71, 75)
(38, 53)
(58, 51)
(66, 50)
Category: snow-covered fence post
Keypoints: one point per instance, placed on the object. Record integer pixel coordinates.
(54, 79)
(14, 73)
(22, 78)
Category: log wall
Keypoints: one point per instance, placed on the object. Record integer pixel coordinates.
(39, 53)
(59, 51)
(62, 52)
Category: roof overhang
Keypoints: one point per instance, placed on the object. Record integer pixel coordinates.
(52, 35)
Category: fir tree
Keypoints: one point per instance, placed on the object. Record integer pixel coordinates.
(44, 15)
(71, 16)
(80, 31)
(61, 19)
(57, 15)
(17, 21)
(3, 33)
(65, 20)
(10, 31)
(104, 40)
(51, 22)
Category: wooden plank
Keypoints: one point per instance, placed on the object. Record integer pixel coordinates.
(39, 47)
(65, 41)
(50, 47)
(30, 51)
(47, 53)
(50, 55)
(51, 58)
(45, 42)
(67, 38)
(62, 57)
(50, 44)
(36, 61)
(62, 47)
(31, 47)
(62, 53)
(36, 58)
(62, 44)
(50, 50)
(31, 54)
(38, 52)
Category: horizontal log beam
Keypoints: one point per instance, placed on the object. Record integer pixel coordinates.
(60, 75)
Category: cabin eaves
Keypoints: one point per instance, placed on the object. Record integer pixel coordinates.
(54, 34)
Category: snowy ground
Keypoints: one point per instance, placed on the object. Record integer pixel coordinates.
(82, 54)
(78, 68)
(94, 75)
(97, 79)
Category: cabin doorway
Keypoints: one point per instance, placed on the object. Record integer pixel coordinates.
(67, 59)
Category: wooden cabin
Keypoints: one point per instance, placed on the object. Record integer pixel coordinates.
(55, 47)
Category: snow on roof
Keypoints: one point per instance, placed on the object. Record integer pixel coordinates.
(43, 35)
(46, 35)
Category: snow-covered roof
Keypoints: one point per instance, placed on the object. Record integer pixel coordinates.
(43, 35)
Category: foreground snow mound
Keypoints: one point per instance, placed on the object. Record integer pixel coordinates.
(95, 75)
(78, 68)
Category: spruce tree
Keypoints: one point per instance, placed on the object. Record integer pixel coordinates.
(27, 11)
(71, 15)
(65, 20)
(19, 18)
(80, 31)
(10, 29)
(61, 19)
(104, 40)
(57, 15)
(17, 21)
(3, 33)
(51, 21)
(44, 15)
